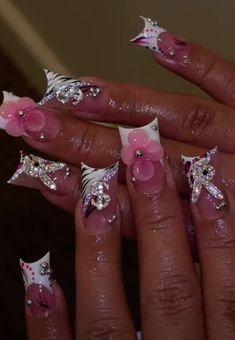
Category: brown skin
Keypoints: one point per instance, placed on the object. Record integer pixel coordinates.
(190, 125)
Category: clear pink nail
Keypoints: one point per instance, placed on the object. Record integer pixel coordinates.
(143, 154)
(99, 192)
(38, 173)
(204, 179)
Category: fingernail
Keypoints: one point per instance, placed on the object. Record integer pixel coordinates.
(204, 179)
(23, 117)
(99, 194)
(143, 154)
(70, 94)
(39, 289)
(162, 42)
(39, 173)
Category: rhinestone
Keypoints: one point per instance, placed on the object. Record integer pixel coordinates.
(154, 127)
(94, 91)
(21, 113)
(139, 153)
(28, 302)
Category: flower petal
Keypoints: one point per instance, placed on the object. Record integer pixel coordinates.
(127, 154)
(8, 109)
(138, 138)
(25, 103)
(154, 151)
(13, 128)
(35, 121)
(143, 170)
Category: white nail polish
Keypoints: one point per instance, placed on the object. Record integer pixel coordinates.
(150, 35)
(38, 272)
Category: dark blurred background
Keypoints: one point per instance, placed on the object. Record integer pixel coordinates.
(79, 38)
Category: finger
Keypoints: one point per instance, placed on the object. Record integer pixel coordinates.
(213, 213)
(204, 68)
(102, 310)
(170, 292)
(184, 118)
(99, 146)
(45, 310)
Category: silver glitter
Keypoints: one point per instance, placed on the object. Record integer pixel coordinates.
(69, 94)
(203, 173)
(112, 219)
(220, 206)
(100, 199)
(152, 22)
(37, 167)
(94, 92)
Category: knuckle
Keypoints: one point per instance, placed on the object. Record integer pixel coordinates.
(106, 327)
(220, 240)
(205, 70)
(174, 295)
(85, 140)
(159, 221)
(229, 88)
(226, 301)
(197, 121)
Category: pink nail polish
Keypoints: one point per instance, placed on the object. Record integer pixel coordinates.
(22, 117)
(65, 93)
(39, 173)
(161, 42)
(99, 193)
(39, 290)
(204, 179)
(143, 154)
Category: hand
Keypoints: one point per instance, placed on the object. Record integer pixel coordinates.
(174, 304)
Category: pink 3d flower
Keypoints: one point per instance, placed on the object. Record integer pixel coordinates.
(22, 115)
(140, 153)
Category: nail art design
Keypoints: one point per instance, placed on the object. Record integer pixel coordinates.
(141, 148)
(39, 168)
(67, 91)
(37, 282)
(150, 35)
(38, 272)
(200, 174)
(96, 186)
(19, 114)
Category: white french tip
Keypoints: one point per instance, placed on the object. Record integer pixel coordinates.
(38, 272)
(149, 35)
(152, 130)
(187, 159)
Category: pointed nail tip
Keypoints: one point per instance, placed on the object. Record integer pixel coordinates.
(46, 256)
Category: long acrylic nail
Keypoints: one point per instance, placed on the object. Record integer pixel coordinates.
(204, 179)
(143, 154)
(38, 286)
(71, 94)
(99, 194)
(23, 117)
(39, 173)
(163, 43)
